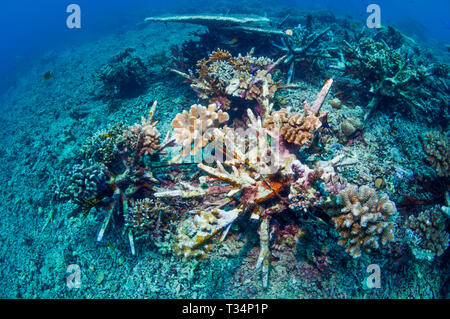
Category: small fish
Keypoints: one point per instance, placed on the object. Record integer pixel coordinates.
(289, 32)
(48, 75)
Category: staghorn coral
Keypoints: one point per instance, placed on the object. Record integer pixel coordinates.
(190, 127)
(436, 146)
(365, 221)
(429, 238)
(296, 128)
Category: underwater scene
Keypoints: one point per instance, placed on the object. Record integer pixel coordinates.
(225, 149)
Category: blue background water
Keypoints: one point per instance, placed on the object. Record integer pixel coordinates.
(30, 28)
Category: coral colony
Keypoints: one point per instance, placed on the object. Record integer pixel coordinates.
(249, 154)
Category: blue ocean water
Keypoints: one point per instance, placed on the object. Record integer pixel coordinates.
(93, 121)
(29, 28)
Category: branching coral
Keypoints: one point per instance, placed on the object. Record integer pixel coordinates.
(436, 146)
(222, 77)
(365, 221)
(429, 238)
(296, 128)
(102, 147)
(117, 186)
(142, 138)
(147, 217)
(394, 77)
(191, 128)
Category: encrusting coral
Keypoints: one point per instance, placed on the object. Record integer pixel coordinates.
(428, 238)
(365, 221)
(436, 146)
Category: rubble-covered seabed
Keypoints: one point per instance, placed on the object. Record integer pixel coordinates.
(45, 124)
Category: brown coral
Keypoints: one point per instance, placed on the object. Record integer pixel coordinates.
(190, 127)
(221, 76)
(296, 128)
(365, 219)
(147, 216)
(143, 137)
(436, 146)
(429, 228)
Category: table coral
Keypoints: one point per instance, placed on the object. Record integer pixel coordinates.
(365, 221)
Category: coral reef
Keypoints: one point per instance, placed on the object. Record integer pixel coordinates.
(275, 187)
(365, 221)
(428, 237)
